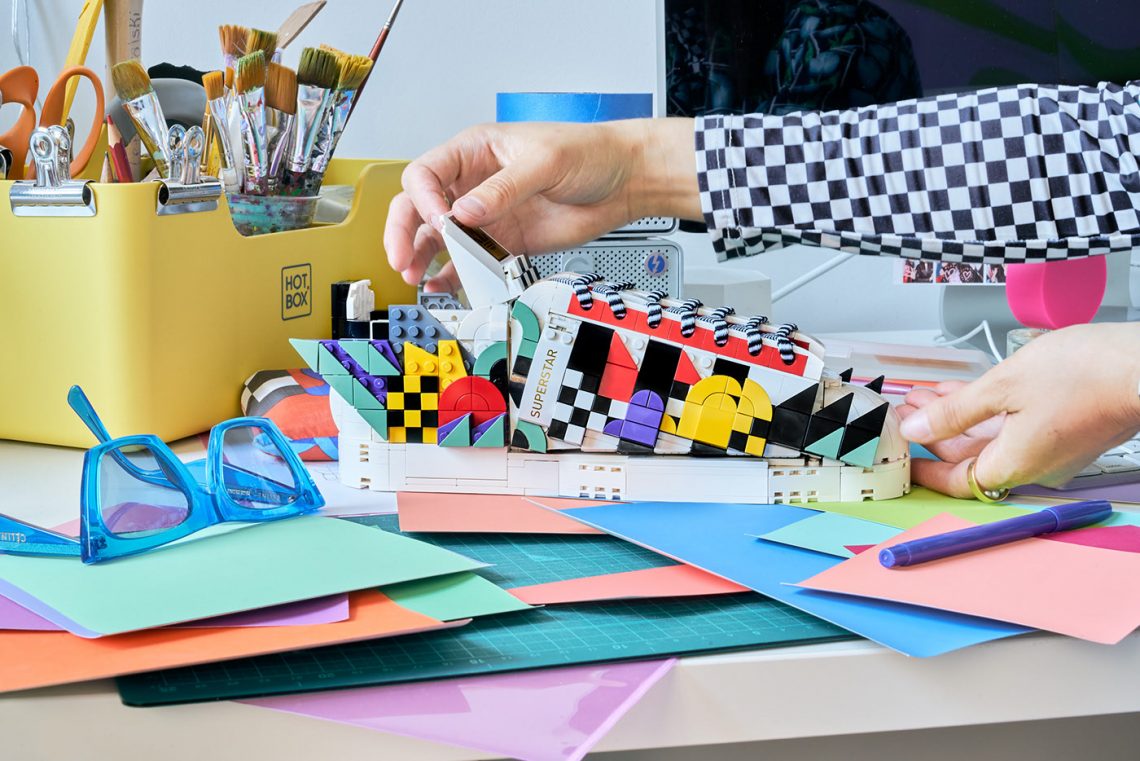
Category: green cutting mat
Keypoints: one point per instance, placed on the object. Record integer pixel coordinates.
(551, 636)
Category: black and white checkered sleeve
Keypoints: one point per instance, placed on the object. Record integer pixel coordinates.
(1007, 174)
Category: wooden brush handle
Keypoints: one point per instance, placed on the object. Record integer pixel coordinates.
(123, 23)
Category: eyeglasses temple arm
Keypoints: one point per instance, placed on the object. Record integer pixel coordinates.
(19, 538)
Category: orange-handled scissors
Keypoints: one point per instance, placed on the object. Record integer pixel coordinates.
(20, 86)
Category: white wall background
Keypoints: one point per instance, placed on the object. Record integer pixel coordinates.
(440, 71)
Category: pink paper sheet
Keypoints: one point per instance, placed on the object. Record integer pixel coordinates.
(486, 513)
(1067, 588)
(323, 610)
(556, 714)
(1123, 538)
(666, 581)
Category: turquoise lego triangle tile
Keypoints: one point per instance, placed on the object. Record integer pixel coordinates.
(327, 364)
(378, 364)
(828, 446)
(460, 435)
(378, 419)
(530, 436)
(493, 435)
(307, 348)
(357, 348)
(363, 399)
(344, 385)
(863, 456)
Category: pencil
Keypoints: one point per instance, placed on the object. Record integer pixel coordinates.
(118, 153)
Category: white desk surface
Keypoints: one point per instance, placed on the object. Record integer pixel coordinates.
(797, 692)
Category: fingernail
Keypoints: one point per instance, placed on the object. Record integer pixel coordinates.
(916, 426)
(435, 221)
(472, 206)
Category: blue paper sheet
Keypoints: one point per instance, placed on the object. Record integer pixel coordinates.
(720, 539)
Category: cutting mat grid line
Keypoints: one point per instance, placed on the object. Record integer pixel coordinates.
(550, 636)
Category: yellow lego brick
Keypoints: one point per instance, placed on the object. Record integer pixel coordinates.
(741, 423)
(412, 384)
(450, 364)
(668, 424)
(755, 446)
(429, 402)
(397, 436)
(395, 401)
(431, 435)
(418, 362)
(412, 419)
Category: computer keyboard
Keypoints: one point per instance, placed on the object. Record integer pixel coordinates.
(1120, 465)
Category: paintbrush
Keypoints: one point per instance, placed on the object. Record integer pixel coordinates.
(377, 47)
(316, 78)
(141, 104)
(353, 71)
(233, 38)
(122, 30)
(249, 86)
(221, 160)
(281, 109)
(258, 39)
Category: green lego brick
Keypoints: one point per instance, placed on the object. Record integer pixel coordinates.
(863, 456)
(362, 398)
(488, 358)
(493, 436)
(460, 435)
(378, 364)
(828, 446)
(530, 436)
(327, 364)
(344, 385)
(378, 419)
(308, 349)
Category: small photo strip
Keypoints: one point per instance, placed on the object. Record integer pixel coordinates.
(920, 271)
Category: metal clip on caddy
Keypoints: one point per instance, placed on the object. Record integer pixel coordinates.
(53, 193)
(185, 190)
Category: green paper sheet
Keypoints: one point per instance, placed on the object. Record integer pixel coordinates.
(829, 533)
(918, 507)
(455, 596)
(215, 574)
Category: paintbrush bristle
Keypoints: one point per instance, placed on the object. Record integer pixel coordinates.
(229, 78)
(215, 84)
(340, 54)
(130, 80)
(233, 39)
(281, 88)
(250, 72)
(319, 68)
(258, 39)
(353, 70)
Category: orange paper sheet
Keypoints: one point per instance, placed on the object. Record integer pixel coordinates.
(1084, 592)
(667, 581)
(486, 513)
(41, 659)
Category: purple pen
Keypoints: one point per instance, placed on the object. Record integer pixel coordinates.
(1046, 521)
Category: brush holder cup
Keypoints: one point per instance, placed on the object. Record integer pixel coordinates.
(258, 215)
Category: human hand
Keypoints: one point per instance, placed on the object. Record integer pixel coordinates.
(1038, 417)
(539, 187)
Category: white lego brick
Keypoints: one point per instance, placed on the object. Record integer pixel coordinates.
(397, 467)
(532, 471)
(348, 421)
(429, 484)
(885, 481)
(592, 477)
(801, 484)
(671, 444)
(431, 461)
(358, 462)
(697, 479)
(478, 486)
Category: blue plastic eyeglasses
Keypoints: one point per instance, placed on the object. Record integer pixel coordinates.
(137, 495)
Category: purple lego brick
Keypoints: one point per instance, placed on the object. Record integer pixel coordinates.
(648, 399)
(376, 386)
(642, 434)
(478, 431)
(348, 363)
(447, 428)
(643, 416)
(385, 348)
(612, 428)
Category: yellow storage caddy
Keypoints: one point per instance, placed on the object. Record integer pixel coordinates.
(161, 318)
